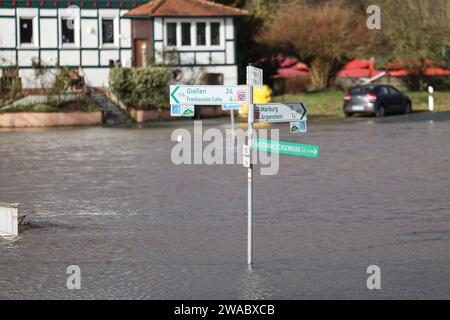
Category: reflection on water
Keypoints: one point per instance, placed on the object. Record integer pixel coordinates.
(110, 201)
(252, 285)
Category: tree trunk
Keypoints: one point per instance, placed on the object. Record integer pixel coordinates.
(320, 74)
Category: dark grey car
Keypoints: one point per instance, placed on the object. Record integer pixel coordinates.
(378, 100)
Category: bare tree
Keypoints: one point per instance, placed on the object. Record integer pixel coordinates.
(416, 30)
(324, 35)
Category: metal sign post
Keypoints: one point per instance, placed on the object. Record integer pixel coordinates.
(254, 78)
(233, 129)
(250, 180)
(231, 108)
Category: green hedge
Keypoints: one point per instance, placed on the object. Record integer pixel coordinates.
(143, 87)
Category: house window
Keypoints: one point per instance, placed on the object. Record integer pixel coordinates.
(107, 31)
(68, 30)
(26, 30)
(201, 34)
(185, 34)
(172, 34)
(213, 78)
(215, 34)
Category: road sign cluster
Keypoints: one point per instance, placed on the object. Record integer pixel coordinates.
(183, 98)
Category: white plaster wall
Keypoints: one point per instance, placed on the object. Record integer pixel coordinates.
(109, 12)
(229, 28)
(126, 58)
(27, 12)
(7, 58)
(7, 33)
(187, 58)
(230, 73)
(217, 58)
(106, 55)
(49, 57)
(158, 29)
(125, 33)
(49, 36)
(29, 80)
(89, 57)
(158, 52)
(96, 77)
(7, 12)
(203, 58)
(48, 12)
(26, 57)
(69, 57)
(89, 33)
(88, 13)
(230, 52)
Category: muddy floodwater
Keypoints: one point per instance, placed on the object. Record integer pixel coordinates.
(110, 201)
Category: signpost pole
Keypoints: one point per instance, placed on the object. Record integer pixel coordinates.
(182, 101)
(233, 133)
(250, 180)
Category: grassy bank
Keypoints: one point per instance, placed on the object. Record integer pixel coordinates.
(329, 103)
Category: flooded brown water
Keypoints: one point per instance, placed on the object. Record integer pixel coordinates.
(110, 201)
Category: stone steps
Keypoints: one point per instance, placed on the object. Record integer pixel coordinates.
(112, 114)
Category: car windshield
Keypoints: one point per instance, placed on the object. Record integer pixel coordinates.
(361, 90)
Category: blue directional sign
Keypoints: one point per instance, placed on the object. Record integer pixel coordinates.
(230, 107)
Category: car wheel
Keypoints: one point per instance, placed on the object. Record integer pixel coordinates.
(348, 114)
(408, 108)
(381, 112)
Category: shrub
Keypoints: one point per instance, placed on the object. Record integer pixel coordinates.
(120, 82)
(60, 83)
(42, 107)
(143, 88)
(150, 87)
(40, 71)
(440, 83)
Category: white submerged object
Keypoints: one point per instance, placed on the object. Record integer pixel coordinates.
(9, 219)
(431, 99)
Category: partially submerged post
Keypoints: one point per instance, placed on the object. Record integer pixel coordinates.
(184, 97)
(431, 99)
(9, 219)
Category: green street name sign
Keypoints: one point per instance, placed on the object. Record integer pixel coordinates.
(296, 149)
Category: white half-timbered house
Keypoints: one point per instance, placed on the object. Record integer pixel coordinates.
(197, 37)
(194, 36)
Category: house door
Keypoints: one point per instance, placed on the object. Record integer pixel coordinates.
(140, 53)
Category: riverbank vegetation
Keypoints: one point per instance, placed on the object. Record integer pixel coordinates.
(59, 90)
(327, 34)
